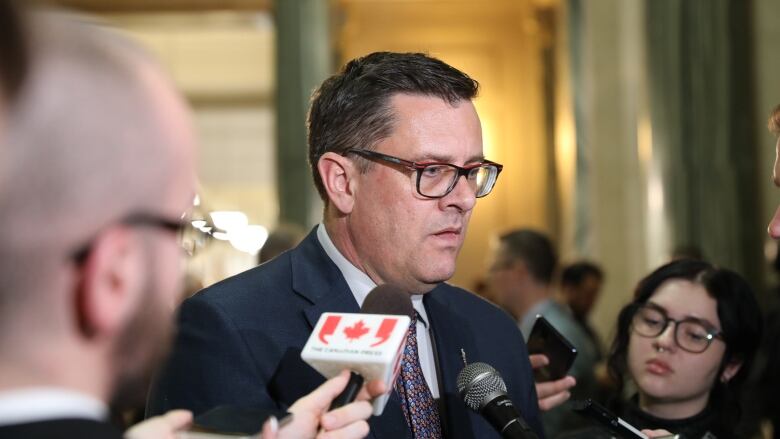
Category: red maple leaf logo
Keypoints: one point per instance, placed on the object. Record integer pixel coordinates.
(356, 331)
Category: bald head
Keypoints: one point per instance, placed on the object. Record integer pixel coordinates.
(96, 134)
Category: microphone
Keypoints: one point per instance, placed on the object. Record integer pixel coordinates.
(484, 391)
(388, 299)
(369, 344)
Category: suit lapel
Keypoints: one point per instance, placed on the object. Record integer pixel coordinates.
(317, 278)
(451, 334)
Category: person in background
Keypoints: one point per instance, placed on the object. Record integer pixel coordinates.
(581, 284)
(685, 342)
(687, 251)
(98, 165)
(284, 237)
(521, 274)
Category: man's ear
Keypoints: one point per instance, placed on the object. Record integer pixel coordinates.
(338, 177)
(110, 283)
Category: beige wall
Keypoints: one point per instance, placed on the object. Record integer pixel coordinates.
(498, 44)
(224, 63)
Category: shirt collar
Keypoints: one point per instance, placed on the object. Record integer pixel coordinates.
(34, 404)
(359, 282)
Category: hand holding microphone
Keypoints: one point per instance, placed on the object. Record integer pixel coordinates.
(311, 415)
(369, 344)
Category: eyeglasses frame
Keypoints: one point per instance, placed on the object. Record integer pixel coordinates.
(418, 167)
(138, 219)
(712, 333)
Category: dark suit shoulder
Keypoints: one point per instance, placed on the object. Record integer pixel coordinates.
(479, 311)
(276, 272)
(255, 298)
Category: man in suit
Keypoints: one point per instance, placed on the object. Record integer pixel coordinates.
(395, 147)
(97, 167)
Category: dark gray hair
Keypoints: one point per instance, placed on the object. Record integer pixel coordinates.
(351, 109)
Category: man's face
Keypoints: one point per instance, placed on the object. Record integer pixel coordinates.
(582, 297)
(143, 344)
(774, 225)
(503, 276)
(400, 236)
(147, 336)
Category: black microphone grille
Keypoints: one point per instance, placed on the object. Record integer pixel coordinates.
(388, 299)
(478, 381)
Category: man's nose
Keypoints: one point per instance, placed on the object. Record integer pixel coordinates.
(462, 195)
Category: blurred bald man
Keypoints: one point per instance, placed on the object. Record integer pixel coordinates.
(97, 168)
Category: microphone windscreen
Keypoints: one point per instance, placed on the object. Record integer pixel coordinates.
(477, 382)
(388, 299)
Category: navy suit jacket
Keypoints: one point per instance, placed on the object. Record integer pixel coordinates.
(61, 429)
(239, 343)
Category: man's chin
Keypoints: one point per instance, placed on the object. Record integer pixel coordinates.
(436, 277)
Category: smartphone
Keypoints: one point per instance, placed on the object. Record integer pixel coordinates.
(232, 422)
(616, 425)
(545, 339)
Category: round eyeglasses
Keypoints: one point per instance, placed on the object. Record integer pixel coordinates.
(436, 179)
(690, 334)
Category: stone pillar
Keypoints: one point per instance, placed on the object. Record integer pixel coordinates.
(304, 59)
(701, 95)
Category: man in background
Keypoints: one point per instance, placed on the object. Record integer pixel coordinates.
(395, 146)
(97, 167)
(580, 288)
(282, 238)
(521, 275)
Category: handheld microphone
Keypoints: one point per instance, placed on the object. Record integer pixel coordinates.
(484, 391)
(369, 344)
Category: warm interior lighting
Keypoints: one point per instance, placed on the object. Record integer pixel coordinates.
(234, 227)
(249, 239)
(644, 143)
(228, 220)
(222, 236)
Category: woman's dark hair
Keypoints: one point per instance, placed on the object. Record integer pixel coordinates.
(740, 319)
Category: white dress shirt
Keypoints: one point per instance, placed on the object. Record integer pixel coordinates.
(33, 404)
(360, 285)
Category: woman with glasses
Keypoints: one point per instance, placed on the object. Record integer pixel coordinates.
(685, 344)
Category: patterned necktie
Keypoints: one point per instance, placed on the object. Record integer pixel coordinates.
(417, 402)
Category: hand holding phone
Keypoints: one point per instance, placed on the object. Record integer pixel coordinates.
(545, 339)
(596, 411)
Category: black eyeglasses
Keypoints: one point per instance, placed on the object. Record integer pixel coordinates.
(436, 179)
(690, 334)
(139, 220)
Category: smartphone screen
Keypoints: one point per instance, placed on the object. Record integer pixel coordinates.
(232, 422)
(545, 339)
(618, 426)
